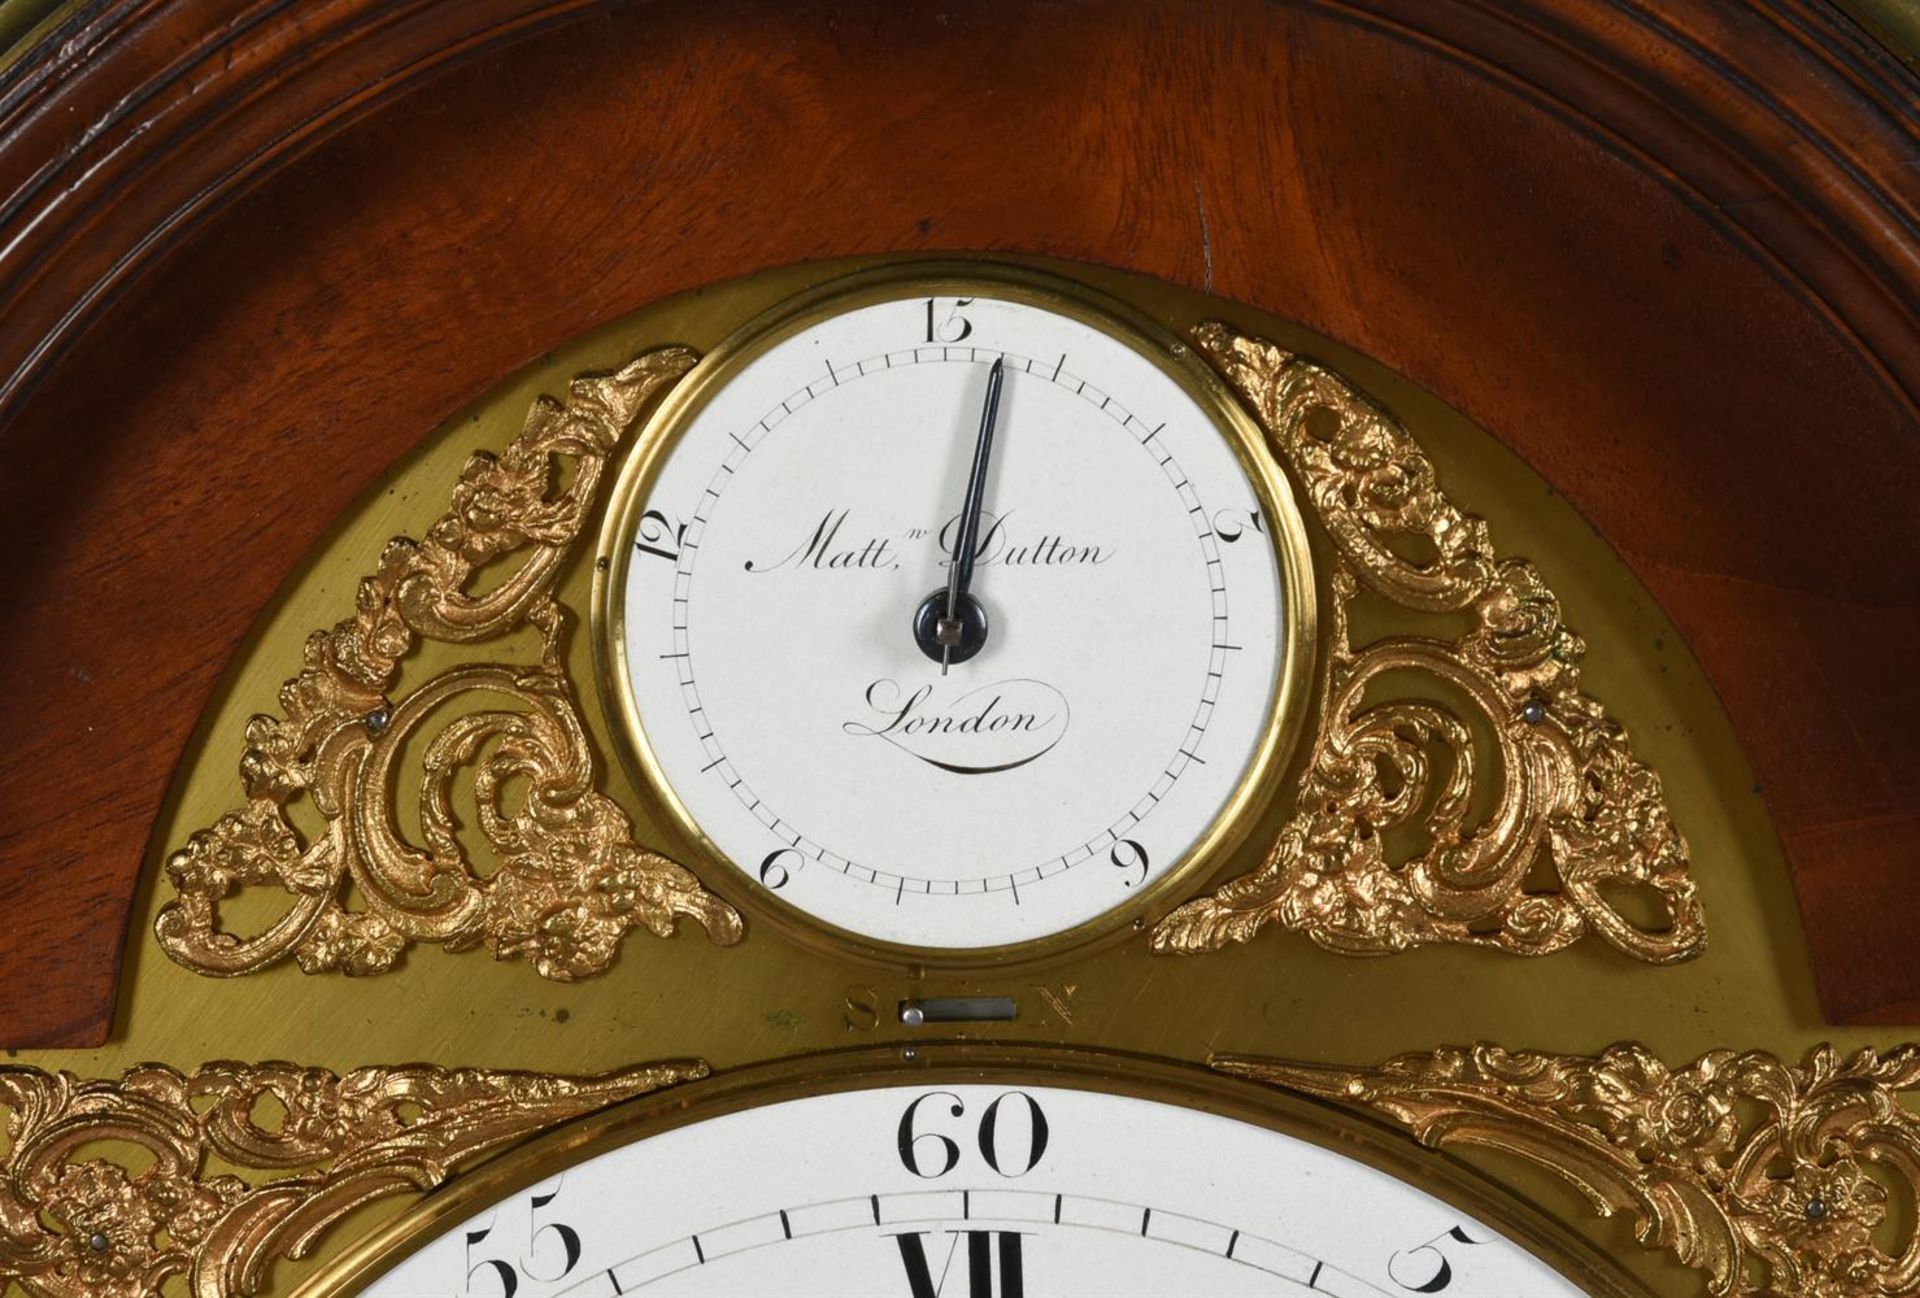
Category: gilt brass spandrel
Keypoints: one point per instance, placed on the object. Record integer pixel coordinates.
(569, 880)
(1566, 786)
(1799, 1181)
(120, 1187)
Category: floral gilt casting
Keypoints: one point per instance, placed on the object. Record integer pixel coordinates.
(571, 881)
(108, 1188)
(1771, 1179)
(1568, 791)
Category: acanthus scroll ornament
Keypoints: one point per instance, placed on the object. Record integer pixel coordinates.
(107, 1187)
(1570, 792)
(1769, 1178)
(571, 881)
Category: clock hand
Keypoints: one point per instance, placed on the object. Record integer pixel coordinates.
(950, 625)
(960, 578)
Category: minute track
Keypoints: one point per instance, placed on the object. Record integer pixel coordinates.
(951, 1211)
(903, 882)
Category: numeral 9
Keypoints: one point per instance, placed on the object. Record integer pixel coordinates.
(1127, 854)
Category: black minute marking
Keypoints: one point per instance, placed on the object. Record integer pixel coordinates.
(894, 360)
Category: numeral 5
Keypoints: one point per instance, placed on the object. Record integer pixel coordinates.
(506, 1272)
(1439, 1269)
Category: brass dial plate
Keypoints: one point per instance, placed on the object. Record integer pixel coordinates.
(1279, 997)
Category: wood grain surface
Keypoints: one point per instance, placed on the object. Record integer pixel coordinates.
(252, 252)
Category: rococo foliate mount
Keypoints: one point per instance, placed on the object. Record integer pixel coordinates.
(112, 1188)
(1569, 788)
(569, 880)
(1769, 1178)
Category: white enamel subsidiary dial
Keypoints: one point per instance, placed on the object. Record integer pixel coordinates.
(971, 1191)
(1115, 650)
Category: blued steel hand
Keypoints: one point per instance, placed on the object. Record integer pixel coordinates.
(957, 623)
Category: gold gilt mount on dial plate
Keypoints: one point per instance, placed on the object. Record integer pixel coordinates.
(1763, 1176)
(1385, 847)
(570, 880)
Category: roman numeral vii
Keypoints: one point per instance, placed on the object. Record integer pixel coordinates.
(982, 1279)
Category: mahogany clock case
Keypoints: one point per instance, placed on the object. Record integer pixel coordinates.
(1648, 266)
(1666, 253)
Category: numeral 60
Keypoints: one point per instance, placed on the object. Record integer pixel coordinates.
(914, 1144)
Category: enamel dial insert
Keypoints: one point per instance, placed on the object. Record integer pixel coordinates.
(971, 1191)
(787, 548)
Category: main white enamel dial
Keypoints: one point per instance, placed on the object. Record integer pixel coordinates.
(806, 500)
(971, 1191)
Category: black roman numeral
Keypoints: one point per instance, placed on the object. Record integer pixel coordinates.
(982, 1279)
